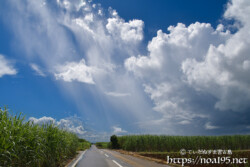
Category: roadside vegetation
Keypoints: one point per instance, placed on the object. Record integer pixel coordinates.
(25, 144)
(83, 144)
(102, 145)
(113, 144)
(159, 147)
(153, 143)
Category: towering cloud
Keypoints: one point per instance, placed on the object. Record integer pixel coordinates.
(196, 62)
(224, 71)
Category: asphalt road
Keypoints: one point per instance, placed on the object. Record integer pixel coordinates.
(106, 158)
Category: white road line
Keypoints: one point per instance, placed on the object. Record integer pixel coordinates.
(117, 163)
(106, 155)
(80, 157)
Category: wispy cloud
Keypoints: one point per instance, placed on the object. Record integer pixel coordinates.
(117, 94)
(37, 69)
(209, 126)
(184, 122)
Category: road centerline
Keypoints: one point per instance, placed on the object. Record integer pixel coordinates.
(106, 155)
(117, 163)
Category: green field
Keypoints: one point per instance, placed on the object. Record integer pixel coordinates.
(154, 143)
(26, 144)
(159, 147)
(102, 145)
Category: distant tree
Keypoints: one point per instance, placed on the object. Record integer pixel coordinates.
(82, 140)
(114, 142)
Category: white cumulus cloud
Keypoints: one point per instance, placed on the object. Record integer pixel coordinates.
(42, 120)
(161, 69)
(71, 124)
(75, 71)
(224, 70)
(118, 130)
(6, 67)
(131, 31)
(195, 63)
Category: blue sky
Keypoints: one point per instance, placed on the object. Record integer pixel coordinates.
(128, 67)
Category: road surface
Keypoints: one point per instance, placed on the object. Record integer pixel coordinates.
(106, 158)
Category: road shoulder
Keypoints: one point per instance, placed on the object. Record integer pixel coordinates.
(135, 159)
(74, 161)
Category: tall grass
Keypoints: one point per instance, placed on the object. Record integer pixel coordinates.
(102, 145)
(153, 143)
(25, 144)
(83, 144)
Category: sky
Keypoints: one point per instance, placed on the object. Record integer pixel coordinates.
(98, 68)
